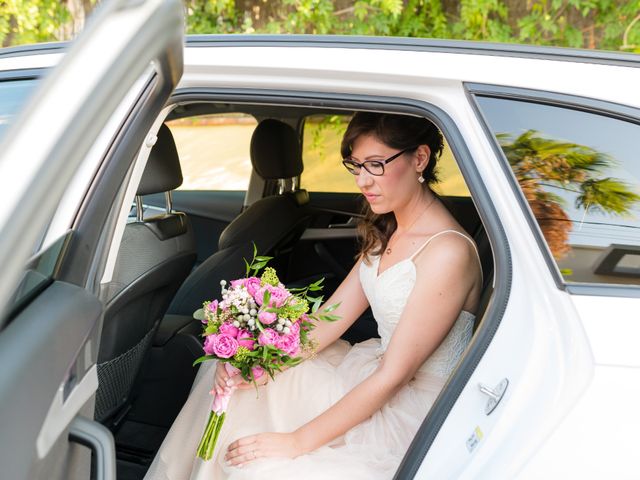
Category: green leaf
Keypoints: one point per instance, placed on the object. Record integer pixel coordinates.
(199, 314)
(331, 308)
(204, 358)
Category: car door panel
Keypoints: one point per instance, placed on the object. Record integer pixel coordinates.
(53, 344)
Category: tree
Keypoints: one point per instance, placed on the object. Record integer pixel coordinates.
(32, 21)
(538, 162)
(607, 24)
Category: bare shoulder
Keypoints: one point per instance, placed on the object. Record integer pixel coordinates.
(448, 251)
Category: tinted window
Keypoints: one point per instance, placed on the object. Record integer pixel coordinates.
(13, 94)
(323, 169)
(580, 173)
(214, 150)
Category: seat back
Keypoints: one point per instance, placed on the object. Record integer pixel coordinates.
(274, 223)
(463, 209)
(155, 256)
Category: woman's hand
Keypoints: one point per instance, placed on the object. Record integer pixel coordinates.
(253, 447)
(224, 382)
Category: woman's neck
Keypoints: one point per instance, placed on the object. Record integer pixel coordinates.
(408, 215)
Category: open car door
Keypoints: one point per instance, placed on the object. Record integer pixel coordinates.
(62, 165)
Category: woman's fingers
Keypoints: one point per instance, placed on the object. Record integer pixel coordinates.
(224, 383)
(243, 450)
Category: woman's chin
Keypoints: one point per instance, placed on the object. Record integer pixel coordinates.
(379, 209)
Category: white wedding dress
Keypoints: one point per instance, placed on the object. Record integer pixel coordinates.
(370, 450)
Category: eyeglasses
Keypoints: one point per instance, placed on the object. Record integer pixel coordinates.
(374, 167)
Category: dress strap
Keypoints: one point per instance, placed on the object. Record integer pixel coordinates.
(473, 244)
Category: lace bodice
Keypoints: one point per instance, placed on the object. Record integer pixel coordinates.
(388, 293)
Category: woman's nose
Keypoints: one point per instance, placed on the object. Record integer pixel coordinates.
(364, 178)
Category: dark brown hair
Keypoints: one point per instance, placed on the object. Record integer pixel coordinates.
(400, 132)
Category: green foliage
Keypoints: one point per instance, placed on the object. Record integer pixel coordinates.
(31, 21)
(606, 24)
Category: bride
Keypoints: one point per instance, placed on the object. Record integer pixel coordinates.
(352, 411)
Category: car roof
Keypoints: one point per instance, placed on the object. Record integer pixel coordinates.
(420, 45)
(378, 43)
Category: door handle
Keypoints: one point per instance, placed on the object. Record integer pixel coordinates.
(99, 439)
(495, 394)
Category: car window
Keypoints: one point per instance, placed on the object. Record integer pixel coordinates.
(214, 150)
(323, 169)
(580, 174)
(13, 94)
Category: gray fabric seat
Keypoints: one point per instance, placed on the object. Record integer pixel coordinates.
(274, 223)
(155, 256)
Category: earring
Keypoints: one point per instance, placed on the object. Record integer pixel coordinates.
(420, 178)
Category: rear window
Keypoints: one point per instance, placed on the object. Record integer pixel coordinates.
(214, 150)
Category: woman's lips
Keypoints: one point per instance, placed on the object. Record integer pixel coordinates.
(370, 196)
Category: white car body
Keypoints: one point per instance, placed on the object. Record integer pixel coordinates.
(570, 354)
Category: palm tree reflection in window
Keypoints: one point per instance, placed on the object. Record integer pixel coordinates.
(540, 162)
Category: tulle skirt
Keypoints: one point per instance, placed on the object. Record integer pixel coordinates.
(371, 450)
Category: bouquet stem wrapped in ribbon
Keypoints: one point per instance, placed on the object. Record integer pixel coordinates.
(259, 327)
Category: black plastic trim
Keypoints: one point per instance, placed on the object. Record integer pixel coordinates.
(588, 105)
(23, 74)
(419, 44)
(502, 256)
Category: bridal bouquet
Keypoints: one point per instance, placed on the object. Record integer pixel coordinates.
(257, 328)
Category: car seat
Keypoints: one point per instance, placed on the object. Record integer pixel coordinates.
(274, 223)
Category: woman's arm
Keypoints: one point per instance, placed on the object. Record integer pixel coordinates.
(432, 307)
(439, 293)
(353, 303)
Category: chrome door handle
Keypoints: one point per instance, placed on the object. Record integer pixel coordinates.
(494, 394)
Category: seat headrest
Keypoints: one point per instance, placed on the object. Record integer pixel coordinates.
(275, 150)
(162, 172)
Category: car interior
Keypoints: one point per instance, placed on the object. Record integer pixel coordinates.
(181, 240)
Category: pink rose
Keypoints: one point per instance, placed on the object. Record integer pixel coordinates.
(267, 318)
(239, 282)
(252, 285)
(229, 329)
(245, 339)
(213, 306)
(294, 329)
(289, 344)
(224, 346)
(278, 296)
(208, 344)
(258, 371)
(268, 337)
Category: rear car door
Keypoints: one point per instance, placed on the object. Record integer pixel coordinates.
(63, 164)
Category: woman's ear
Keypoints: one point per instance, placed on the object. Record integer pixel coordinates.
(423, 152)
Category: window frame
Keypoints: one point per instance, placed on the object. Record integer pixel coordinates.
(490, 321)
(560, 100)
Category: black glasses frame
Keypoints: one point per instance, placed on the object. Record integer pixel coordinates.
(354, 167)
